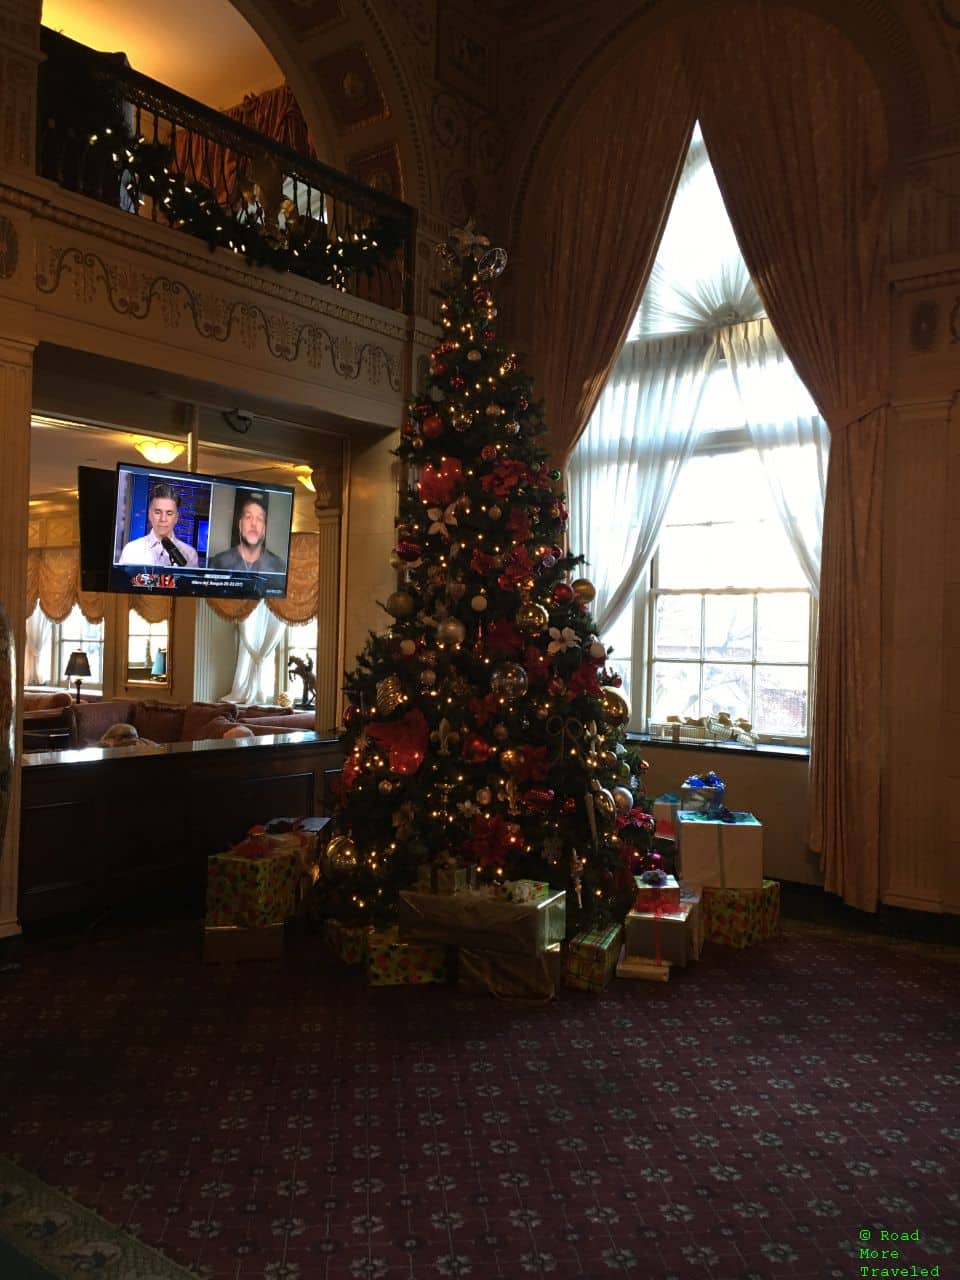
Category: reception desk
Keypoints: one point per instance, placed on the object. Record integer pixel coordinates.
(102, 828)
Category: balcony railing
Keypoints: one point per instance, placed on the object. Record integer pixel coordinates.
(117, 136)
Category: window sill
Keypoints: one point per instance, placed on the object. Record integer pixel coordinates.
(767, 749)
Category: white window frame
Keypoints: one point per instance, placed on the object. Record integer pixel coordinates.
(60, 651)
(644, 616)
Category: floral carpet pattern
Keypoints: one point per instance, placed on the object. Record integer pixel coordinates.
(757, 1117)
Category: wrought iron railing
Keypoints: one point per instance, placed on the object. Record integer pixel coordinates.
(121, 138)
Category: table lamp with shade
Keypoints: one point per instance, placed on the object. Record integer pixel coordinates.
(78, 665)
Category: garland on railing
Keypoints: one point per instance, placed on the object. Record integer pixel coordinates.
(304, 245)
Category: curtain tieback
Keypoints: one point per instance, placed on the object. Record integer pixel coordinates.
(845, 415)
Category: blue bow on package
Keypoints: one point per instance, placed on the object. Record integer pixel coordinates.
(654, 878)
(710, 781)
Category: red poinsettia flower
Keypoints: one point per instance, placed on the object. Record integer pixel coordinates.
(480, 562)
(506, 475)
(518, 522)
(490, 841)
(503, 638)
(638, 818)
(438, 487)
(484, 709)
(535, 767)
(584, 680)
(517, 569)
(536, 664)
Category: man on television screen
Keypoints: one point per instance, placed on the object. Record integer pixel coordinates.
(159, 546)
(250, 554)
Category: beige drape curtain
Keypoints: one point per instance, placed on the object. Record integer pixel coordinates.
(53, 581)
(795, 128)
(594, 227)
(301, 601)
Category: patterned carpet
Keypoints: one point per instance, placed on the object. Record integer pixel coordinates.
(750, 1118)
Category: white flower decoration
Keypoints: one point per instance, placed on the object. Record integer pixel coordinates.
(561, 641)
(442, 518)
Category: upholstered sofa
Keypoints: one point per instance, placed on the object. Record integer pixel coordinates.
(175, 722)
(46, 710)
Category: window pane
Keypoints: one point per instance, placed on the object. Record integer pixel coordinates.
(783, 628)
(619, 637)
(782, 700)
(728, 627)
(726, 687)
(77, 633)
(676, 689)
(677, 627)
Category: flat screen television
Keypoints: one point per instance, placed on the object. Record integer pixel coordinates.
(180, 533)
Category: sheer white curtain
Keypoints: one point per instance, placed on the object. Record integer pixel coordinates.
(39, 636)
(259, 635)
(625, 465)
(793, 441)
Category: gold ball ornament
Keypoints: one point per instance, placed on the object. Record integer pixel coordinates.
(512, 759)
(494, 512)
(428, 677)
(484, 795)
(340, 856)
(584, 590)
(451, 631)
(473, 355)
(616, 710)
(622, 798)
(500, 733)
(532, 618)
(408, 647)
(607, 759)
(479, 604)
(605, 806)
(598, 651)
(389, 695)
(385, 786)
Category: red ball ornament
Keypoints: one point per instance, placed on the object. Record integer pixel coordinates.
(488, 452)
(439, 369)
(557, 551)
(456, 382)
(432, 426)
(352, 715)
(524, 403)
(489, 335)
(481, 296)
(475, 750)
(563, 593)
(569, 805)
(408, 550)
(408, 429)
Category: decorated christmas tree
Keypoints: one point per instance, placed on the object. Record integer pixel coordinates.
(484, 729)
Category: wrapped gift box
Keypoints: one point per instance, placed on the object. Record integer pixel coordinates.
(642, 967)
(392, 963)
(223, 944)
(741, 917)
(591, 958)
(676, 938)
(700, 799)
(723, 855)
(510, 977)
(664, 897)
(665, 811)
(432, 878)
(483, 921)
(249, 888)
(348, 941)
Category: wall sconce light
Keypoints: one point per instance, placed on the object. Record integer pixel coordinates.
(78, 664)
(305, 475)
(159, 451)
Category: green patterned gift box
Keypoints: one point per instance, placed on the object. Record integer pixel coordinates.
(250, 891)
(348, 941)
(590, 960)
(392, 963)
(741, 917)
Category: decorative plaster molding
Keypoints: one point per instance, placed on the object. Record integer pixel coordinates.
(136, 295)
(219, 265)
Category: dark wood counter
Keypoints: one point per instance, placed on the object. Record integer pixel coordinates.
(106, 827)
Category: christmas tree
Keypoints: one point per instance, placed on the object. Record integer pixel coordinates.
(483, 727)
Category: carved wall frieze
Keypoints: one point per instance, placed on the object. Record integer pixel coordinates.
(138, 295)
(219, 265)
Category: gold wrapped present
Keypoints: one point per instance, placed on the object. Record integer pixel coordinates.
(483, 921)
